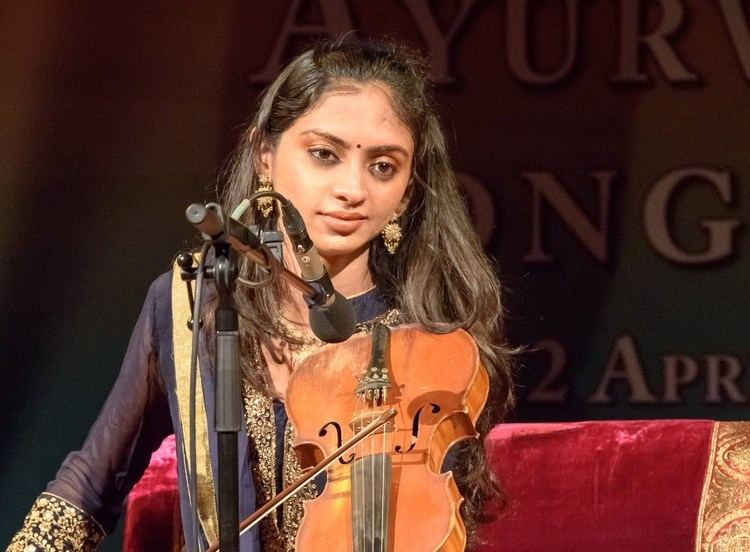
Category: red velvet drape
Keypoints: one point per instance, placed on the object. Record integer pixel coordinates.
(152, 520)
(599, 486)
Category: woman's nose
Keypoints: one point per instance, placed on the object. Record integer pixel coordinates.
(350, 185)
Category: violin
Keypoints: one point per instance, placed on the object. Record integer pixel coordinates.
(378, 414)
(387, 494)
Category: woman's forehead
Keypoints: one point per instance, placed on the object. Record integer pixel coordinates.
(356, 113)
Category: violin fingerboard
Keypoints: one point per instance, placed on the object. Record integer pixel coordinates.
(371, 493)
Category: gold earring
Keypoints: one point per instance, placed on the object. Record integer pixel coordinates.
(391, 233)
(264, 204)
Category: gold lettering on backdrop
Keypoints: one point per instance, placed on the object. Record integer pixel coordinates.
(736, 21)
(546, 187)
(679, 370)
(438, 44)
(551, 388)
(722, 372)
(631, 41)
(656, 217)
(720, 375)
(517, 35)
(336, 22)
(624, 364)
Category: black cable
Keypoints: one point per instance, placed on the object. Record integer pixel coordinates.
(272, 271)
(268, 193)
(192, 452)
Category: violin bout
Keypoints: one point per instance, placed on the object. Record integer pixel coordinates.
(388, 495)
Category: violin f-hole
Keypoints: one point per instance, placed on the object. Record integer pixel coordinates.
(339, 439)
(415, 428)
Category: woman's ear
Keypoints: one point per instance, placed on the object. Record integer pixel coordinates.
(265, 159)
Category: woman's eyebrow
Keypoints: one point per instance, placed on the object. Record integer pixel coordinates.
(335, 139)
(386, 148)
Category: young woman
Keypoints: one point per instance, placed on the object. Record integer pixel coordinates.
(348, 132)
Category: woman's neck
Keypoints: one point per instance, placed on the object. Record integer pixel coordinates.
(350, 276)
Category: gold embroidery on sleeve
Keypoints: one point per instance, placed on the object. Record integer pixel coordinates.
(54, 524)
(294, 509)
(724, 514)
(261, 429)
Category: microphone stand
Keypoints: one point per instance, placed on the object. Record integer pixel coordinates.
(231, 238)
(227, 417)
(227, 375)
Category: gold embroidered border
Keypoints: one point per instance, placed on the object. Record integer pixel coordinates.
(261, 427)
(294, 509)
(724, 514)
(54, 524)
(390, 317)
(182, 342)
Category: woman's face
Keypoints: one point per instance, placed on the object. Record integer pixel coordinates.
(345, 165)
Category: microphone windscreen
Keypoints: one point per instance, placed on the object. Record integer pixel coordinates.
(334, 323)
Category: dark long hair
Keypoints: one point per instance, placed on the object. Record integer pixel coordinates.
(439, 278)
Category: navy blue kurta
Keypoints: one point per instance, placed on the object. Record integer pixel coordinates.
(142, 410)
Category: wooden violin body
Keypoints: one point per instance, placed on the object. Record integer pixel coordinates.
(388, 495)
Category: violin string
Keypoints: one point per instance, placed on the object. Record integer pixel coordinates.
(363, 497)
(357, 467)
(386, 489)
(363, 477)
(372, 478)
(383, 452)
(367, 474)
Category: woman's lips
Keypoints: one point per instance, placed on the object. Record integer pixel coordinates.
(343, 222)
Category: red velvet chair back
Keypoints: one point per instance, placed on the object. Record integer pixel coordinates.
(620, 486)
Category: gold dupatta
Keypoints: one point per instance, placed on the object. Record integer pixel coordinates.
(182, 341)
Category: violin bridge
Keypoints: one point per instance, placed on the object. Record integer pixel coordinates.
(361, 421)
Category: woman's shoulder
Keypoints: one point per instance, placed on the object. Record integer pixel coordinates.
(159, 294)
(157, 307)
(161, 286)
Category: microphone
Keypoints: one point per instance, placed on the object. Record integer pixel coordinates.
(331, 315)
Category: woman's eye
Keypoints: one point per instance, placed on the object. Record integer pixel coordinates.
(383, 169)
(324, 155)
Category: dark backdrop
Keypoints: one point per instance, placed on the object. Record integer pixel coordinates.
(603, 146)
